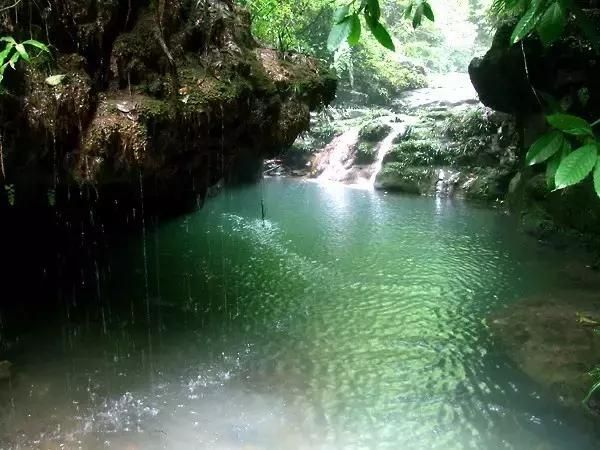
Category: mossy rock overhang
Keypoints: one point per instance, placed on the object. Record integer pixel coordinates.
(183, 96)
(560, 70)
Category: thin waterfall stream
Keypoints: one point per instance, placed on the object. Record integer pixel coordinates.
(383, 149)
(339, 161)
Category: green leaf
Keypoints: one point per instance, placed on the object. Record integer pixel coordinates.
(55, 80)
(428, 12)
(4, 53)
(382, 35)
(20, 48)
(356, 30)
(418, 17)
(408, 10)
(554, 162)
(374, 9)
(570, 124)
(8, 39)
(13, 60)
(597, 177)
(576, 166)
(526, 24)
(340, 13)
(545, 147)
(593, 390)
(552, 23)
(551, 168)
(37, 44)
(339, 33)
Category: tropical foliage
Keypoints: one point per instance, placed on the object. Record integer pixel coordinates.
(570, 148)
(545, 18)
(347, 24)
(368, 67)
(570, 151)
(14, 51)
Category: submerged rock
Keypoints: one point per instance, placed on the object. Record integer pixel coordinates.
(552, 338)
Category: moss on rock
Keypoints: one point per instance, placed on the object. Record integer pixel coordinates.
(411, 180)
(415, 153)
(487, 184)
(62, 109)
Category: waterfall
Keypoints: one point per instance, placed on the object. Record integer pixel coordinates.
(446, 182)
(384, 147)
(416, 116)
(335, 163)
(335, 160)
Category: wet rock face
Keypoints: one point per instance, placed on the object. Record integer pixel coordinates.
(5, 370)
(177, 93)
(500, 77)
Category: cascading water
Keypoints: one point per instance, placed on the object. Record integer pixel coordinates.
(446, 181)
(335, 160)
(384, 147)
(418, 109)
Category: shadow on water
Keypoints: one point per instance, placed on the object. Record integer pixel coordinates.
(344, 319)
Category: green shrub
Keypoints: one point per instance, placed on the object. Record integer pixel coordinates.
(416, 153)
(366, 153)
(374, 132)
(415, 134)
(476, 122)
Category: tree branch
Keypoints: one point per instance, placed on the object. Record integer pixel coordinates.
(6, 8)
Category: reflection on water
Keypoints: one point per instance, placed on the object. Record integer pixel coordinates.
(347, 319)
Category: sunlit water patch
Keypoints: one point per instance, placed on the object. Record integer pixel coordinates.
(345, 319)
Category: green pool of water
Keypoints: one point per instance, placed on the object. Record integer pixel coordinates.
(347, 319)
